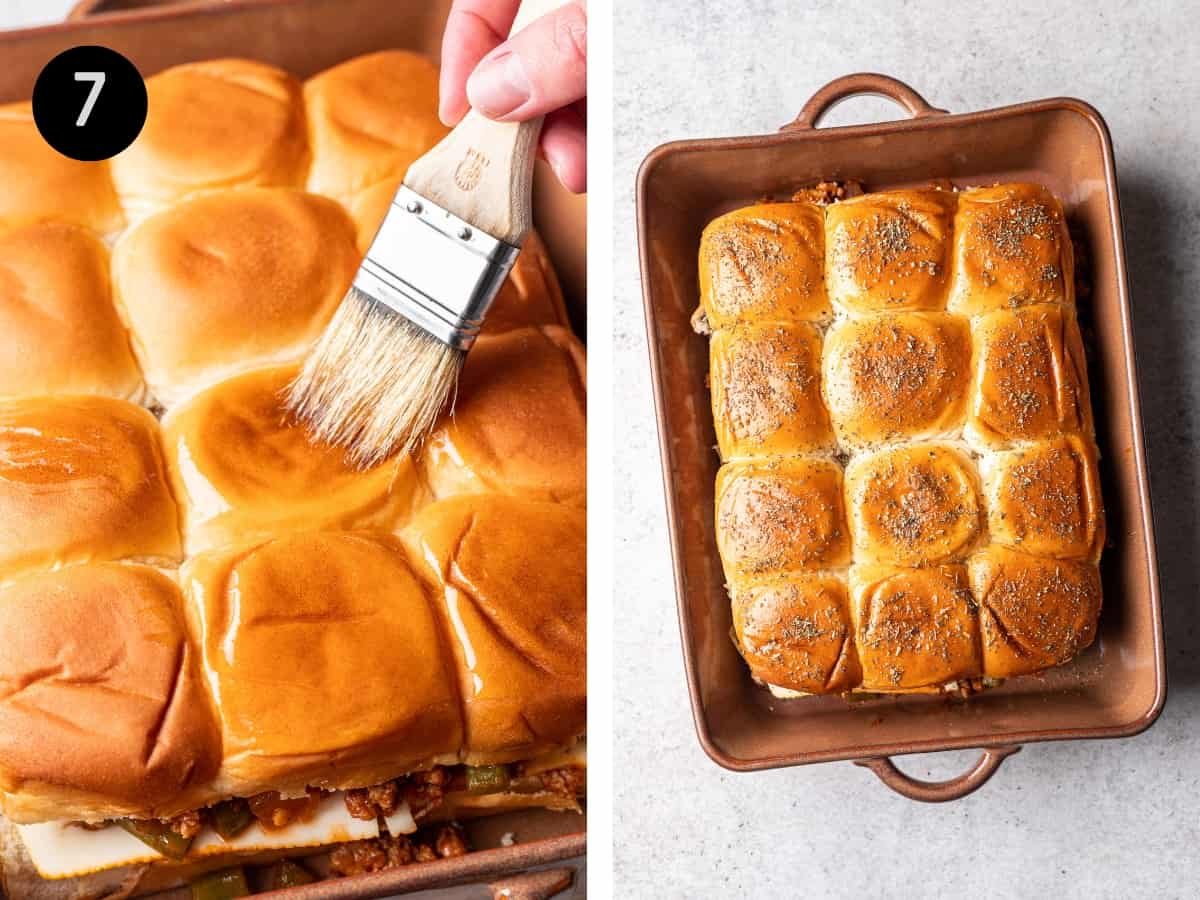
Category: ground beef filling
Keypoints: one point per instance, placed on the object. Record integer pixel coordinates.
(187, 825)
(377, 854)
(568, 782)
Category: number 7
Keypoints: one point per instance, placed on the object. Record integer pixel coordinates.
(97, 79)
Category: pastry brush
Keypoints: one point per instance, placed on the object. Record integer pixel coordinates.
(380, 375)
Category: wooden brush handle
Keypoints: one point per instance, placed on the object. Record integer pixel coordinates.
(482, 171)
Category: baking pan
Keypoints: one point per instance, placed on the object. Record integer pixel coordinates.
(1115, 689)
(304, 37)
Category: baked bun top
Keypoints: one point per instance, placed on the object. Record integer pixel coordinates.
(1034, 612)
(510, 575)
(913, 505)
(781, 516)
(916, 629)
(100, 696)
(61, 330)
(795, 632)
(40, 183)
(764, 263)
(369, 119)
(766, 391)
(324, 655)
(241, 468)
(897, 377)
(1030, 378)
(213, 124)
(519, 424)
(205, 300)
(1011, 248)
(81, 478)
(889, 252)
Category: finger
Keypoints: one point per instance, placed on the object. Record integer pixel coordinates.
(564, 146)
(541, 68)
(473, 29)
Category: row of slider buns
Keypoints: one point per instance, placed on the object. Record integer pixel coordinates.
(910, 495)
(202, 603)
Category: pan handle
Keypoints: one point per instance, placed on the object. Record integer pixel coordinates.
(852, 86)
(939, 791)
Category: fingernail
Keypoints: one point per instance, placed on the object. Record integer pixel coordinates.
(498, 85)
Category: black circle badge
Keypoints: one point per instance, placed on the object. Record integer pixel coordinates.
(89, 103)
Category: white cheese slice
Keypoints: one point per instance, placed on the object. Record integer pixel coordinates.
(59, 850)
(564, 758)
(332, 824)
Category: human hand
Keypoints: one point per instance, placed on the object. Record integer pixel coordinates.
(541, 70)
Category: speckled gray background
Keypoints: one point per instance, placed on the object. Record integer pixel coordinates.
(1097, 819)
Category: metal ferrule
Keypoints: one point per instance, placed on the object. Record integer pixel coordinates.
(435, 269)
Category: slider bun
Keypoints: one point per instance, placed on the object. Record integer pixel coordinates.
(519, 421)
(214, 124)
(40, 183)
(781, 516)
(369, 119)
(889, 251)
(242, 469)
(529, 296)
(511, 577)
(102, 711)
(1011, 248)
(915, 629)
(1030, 376)
(764, 263)
(901, 376)
(795, 632)
(913, 505)
(327, 662)
(61, 331)
(1034, 612)
(231, 279)
(766, 390)
(1045, 499)
(81, 478)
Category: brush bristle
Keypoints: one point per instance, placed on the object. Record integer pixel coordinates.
(375, 383)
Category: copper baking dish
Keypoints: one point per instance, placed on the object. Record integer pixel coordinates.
(305, 36)
(1115, 689)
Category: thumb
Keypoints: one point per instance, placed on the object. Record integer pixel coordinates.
(541, 68)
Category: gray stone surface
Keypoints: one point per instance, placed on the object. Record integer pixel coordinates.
(1098, 819)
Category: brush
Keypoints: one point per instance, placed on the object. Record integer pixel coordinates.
(384, 369)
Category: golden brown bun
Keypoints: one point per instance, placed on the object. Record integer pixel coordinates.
(1011, 248)
(519, 423)
(326, 660)
(102, 709)
(529, 296)
(214, 124)
(61, 331)
(40, 183)
(1030, 377)
(81, 478)
(894, 377)
(914, 505)
(780, 516)
(369, 119)
(511, 577)
(915, 628)
(241, 469)
(795, 633)
(889, 252)
(231, 279)
(766, 391)
(764, 263)
(1045, 499)
(1034, 613)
